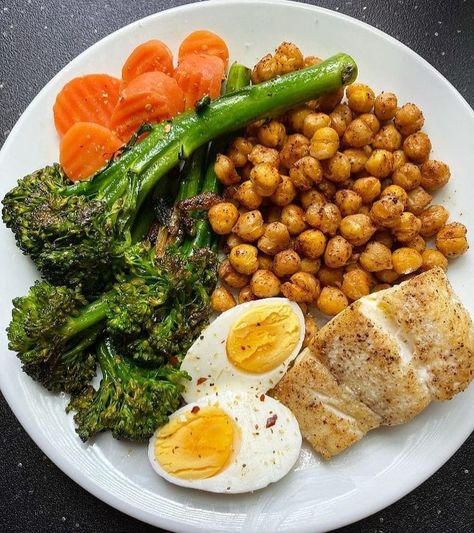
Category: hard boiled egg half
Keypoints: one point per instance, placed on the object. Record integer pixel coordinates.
(249, 347)
(227, 443)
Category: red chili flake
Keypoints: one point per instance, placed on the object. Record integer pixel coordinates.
(262, 397)
(196, 409)
(174, 360)
(201, 380)
(271, 421)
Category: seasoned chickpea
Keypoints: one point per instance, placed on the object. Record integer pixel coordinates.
(286, 263)
(381, 287)
(310, 265)
(313, 122)
(265, 179)
(371, 120)
(380, 163)
(409, 119)
(275, 238)
(293, 217)
(252, 129)
(408, 176)
(328, 188)
(451, 240)
(387, 276)
(265, 262)
(265, 69)
(328, 102)
(331, 276)
(311, 243)
(243, 258)
(418, 200)
(357, 159)
(368, 188)
(326, 218)
(399, 159)
(356, 284)
(408, 227)
(357, 134)
(417, 243)
(434, 174)
(337, 168)
(262, 154)
(357, 229)
(225, 170)
(386, 211)
(310, 197)
(306, 172)
(376, 257)
(432, 259)
(312, 60)
(229, 275)
(272, 134)
(233, 240)
(432, 220)
(249, 227)
(296, 146)
(385, 106)
(289, 58)
(324, 143)
(360, 97)
(285, 192)
(338, 252)
(417, 147)
(246, 294)
(310, 330)
(341, 117)
(388, 138)
(406, 260)
(222, 300)
(349, 202)
(332, 301)
(302, 288)
(397, 192)
(239, 151)
(265, 284)
(223, 217)
(296, 118)
(385, 237)
(247, 195)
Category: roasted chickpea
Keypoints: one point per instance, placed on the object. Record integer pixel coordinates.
(286, 263)
(332, 301)
(338, 252)
(399, 159)
(387, 276)
(357, 159)
(312, 60)
(432, 220)
(349, 202)
(233, 240)
(229, 275)
(265, 179)
(310, 197)
(385, 106)
(324, 143)
(451, 240)
(306, 172)
(328, 102)
(418, 199)
(243, 258)
(302, 287)
(341, 117)
(262, 154)
(293, 217)
(289, 58)
(249, 226)
(222, 300)
(313, 122)
(397, 192)
(311, 243)
(357, 134)
(310, 265)
(386, 211)
(380, 163)
(337, 168)
(408, 176)
(385, 237)
(284, 193)
(225, 170)
(376, 257)
(223, 217)
(356, 284)
(296, 146)
(328, 188)
(265, 69)
(239, 151)
(432, 259)
(357, 229)
(371, 120)
(368, 188)
(360, 97)
(265, 262)
(417, 147)
(408, 227)
(265, 284)
(252, 129)
(326, 218)
(330, 276)
(406, 260)
(275, 238)
(409, 119)
(295, 118)
(247, 195)
(310, 330)
(246, 294)
(434, 174)
(388, 138)
(381, 287)
(417, 243)
(272, 134)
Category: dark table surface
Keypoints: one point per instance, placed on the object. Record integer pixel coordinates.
(37, 39)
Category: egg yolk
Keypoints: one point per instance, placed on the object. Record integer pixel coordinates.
(263, 337)
(197, 445)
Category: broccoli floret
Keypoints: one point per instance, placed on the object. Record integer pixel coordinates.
(131, 401)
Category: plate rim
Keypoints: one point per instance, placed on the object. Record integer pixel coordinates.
(159, 520)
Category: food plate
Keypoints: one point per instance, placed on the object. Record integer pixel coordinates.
(316, 495)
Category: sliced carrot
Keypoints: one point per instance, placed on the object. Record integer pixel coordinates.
(203, 41)
(90, 98)
(85, 148)
(198, 75)
(151, 56)
(150, 97)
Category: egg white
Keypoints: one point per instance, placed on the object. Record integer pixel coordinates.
(263, 455)
(210, 369)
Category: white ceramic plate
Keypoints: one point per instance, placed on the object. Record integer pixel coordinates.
(316, 495)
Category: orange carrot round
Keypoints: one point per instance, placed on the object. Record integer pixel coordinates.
(150, 97)
(198, 75)
(152, 56)
(85, 148)
(203, 41)
(90, 98)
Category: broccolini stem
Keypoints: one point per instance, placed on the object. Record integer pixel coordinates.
(239, 76)
(189, 186)
(90, 315)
